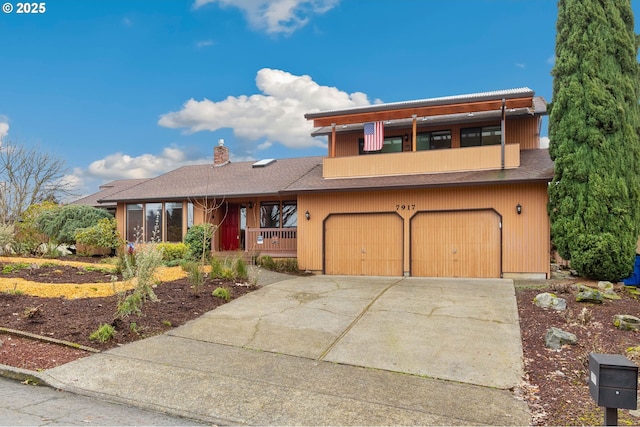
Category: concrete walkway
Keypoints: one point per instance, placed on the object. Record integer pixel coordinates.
(322, 350)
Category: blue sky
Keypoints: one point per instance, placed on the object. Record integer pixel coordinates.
(134, 88)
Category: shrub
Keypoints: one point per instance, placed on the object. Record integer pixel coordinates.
(216, 267)
(60, 224)
(147, 260)
(173, 251)
(195, 275)
(103, 334)
(222, 293)
(240, 268)
(7, 233)
(198, 239)
(104, 234)
(28, 237)
(285, 265)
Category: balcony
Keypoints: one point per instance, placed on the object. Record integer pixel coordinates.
(419, 162)
(277, 242)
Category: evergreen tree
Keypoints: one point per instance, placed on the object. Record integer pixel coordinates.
(594, 198)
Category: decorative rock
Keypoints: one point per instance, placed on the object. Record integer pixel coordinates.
(608, 290)
(626, 322)
(590, 295)
(555, 338)
(548, 300)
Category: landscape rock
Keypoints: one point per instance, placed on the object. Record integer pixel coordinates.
(608, 291)
(590, 295)
(555, 338)
(549, 300)
(626, 322)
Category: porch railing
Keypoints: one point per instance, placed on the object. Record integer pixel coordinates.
(271, 240)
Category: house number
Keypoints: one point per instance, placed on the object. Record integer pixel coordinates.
(406, 207)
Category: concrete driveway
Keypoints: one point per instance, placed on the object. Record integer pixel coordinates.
(325, 350)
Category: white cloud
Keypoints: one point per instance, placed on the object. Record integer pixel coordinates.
(4, 127)
(204, 43)
(277, 115)
(520, 65)
(122, 166)
(127, 22)
(544, 142)
(551, 60)
(276, 16)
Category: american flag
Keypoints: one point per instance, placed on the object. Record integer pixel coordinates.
(373, 136)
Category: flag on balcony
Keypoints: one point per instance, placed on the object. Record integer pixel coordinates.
(373, 136)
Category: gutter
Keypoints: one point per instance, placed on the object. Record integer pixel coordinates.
(502, 123)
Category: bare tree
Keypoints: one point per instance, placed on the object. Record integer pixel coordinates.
(29, 176)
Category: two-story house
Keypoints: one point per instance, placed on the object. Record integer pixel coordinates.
(445, 187)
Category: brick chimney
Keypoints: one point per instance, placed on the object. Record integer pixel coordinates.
(220, 154)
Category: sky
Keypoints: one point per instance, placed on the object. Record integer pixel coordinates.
(124, 89)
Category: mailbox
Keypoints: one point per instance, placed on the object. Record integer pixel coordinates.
(613, 381)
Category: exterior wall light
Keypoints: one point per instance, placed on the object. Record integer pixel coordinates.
(519, 208)
(307, 215)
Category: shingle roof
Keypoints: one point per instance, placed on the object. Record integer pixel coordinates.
(535, 166)
(107, 190)
(231, 180)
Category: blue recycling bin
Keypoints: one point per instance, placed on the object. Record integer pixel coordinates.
(634, 279)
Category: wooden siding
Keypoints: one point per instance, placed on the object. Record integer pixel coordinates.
(429, 161)
(524, 131)
(456, 244)
(368, 244)
(525, 237)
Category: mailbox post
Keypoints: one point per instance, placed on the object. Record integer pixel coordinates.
(613, 384)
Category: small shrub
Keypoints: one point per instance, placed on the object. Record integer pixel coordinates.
(222, 293)
(267, 262)
(173, 251)
(133, 327)
(103, 334)
(241, 270)
(167, 323)
(147, 260)
(286, 265)
(104, 234)
(216, 268)
(7, 234)
(195, 275)
(198, 239)
(12, 268)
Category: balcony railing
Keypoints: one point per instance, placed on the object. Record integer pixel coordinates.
(272, 240)
(418, 162)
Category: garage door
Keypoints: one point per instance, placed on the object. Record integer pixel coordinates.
(456, 244)
(363, 244)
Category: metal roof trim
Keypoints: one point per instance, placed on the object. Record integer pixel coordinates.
(444, 100)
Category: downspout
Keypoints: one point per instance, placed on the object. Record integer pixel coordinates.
(502, 122)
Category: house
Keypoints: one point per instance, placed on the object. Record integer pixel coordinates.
(457, 187)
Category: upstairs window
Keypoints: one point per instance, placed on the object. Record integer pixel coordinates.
(475, 137)
(433, 140)
(392, 144)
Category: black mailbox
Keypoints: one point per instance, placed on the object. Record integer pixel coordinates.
(613, 381)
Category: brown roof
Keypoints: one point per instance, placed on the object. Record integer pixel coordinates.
(301, 175)
(231, 180)
(535, 166)
(107, 190)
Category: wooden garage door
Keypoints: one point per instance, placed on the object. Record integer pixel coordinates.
(363, 244)
(455, 244)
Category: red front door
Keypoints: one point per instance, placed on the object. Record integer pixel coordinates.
(230, 229)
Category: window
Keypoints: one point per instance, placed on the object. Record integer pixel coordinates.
(392, 144)
(134, 223)
(486, 135)
(173, 215)
(270, 215)
(433, 140)
(153, 220)
(276, 215)
(156, 222)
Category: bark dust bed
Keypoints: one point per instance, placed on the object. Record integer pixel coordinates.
(555, 384)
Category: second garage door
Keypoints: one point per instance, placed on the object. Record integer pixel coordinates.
(363, 244)
(456, 244)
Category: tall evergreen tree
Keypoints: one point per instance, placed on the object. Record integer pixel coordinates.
(594, 123)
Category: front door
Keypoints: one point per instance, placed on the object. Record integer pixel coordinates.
(230, 229)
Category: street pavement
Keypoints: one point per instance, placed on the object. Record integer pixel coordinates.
(31, 405)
